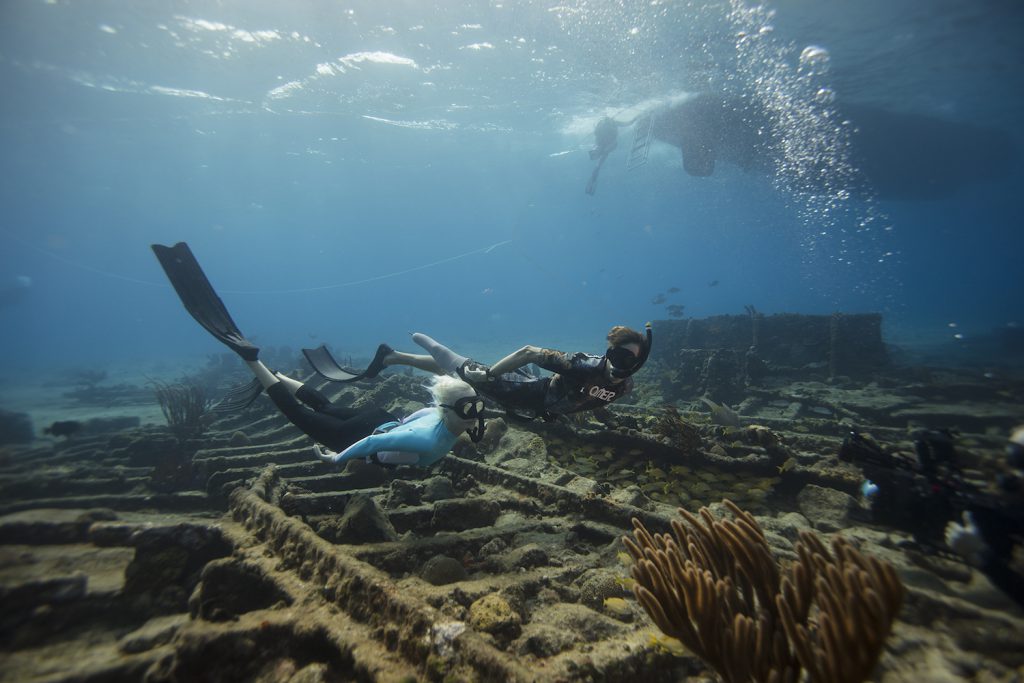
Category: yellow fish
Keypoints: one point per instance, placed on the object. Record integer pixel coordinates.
(616, 606)
(667, 644)
(786, 466)
(626, 582)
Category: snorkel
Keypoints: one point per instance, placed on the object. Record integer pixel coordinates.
(477, 433)
(641, 357)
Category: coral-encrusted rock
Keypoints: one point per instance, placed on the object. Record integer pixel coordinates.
(828, 509)
(153, 633)
(526, 557)
(465, 448)
(596, 586)
(363, 475)
(402, 492)
(168, 561)
(788, 525)
(518, 444)
(558, 627)
(542, 640)
(493, 432)
(493, 547)
(438, 488)
(459, 515)
(441, 569)
(230, 587)
(145, 449)
(318, 672)
(362, 522)
(630, 495)
(492, 614)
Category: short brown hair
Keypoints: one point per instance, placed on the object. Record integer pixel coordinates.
(620, 335)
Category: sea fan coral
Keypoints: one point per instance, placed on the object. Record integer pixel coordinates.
(714, 585)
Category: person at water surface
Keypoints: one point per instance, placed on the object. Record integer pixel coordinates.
(893, 155)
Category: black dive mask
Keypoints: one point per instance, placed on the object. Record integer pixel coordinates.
(467, 408)
(624, 362)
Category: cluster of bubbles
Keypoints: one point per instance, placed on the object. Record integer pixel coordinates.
(814, 169)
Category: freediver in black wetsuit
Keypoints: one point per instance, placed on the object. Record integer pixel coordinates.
(581, 381)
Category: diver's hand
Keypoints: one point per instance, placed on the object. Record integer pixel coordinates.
(476, 374)
(965, 540)
(325, 454)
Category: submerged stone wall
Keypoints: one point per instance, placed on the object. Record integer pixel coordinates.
(722, 354)
(845, 343)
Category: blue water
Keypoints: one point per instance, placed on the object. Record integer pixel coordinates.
(349, 172)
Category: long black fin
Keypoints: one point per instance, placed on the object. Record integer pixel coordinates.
(325, 365)
(200, 299)
(239, 398)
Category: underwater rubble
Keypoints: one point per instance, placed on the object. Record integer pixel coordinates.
(238, 556)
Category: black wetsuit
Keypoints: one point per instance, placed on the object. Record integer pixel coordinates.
(606, 138)
(579, 383)
(334, 426)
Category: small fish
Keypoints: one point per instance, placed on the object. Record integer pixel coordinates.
(667, 644)
(675, 310)
(616, 606)
(625, 558)
(673, 290)
(655, 473)
(486, 291)
(625, 582)
(721, 414)
(787, 466)
(713, 283)
(659, 299)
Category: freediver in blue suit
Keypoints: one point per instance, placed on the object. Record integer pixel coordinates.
(420, 439)
(427, 435)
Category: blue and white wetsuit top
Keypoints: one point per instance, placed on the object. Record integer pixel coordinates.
(420, 439)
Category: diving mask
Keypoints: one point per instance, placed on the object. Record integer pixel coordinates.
(622, 359)
(467, 407)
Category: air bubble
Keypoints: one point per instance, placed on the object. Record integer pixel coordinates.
(813, 54)
(825, 96)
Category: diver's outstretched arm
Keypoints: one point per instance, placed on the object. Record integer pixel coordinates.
(451, 362)
(517, 359)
